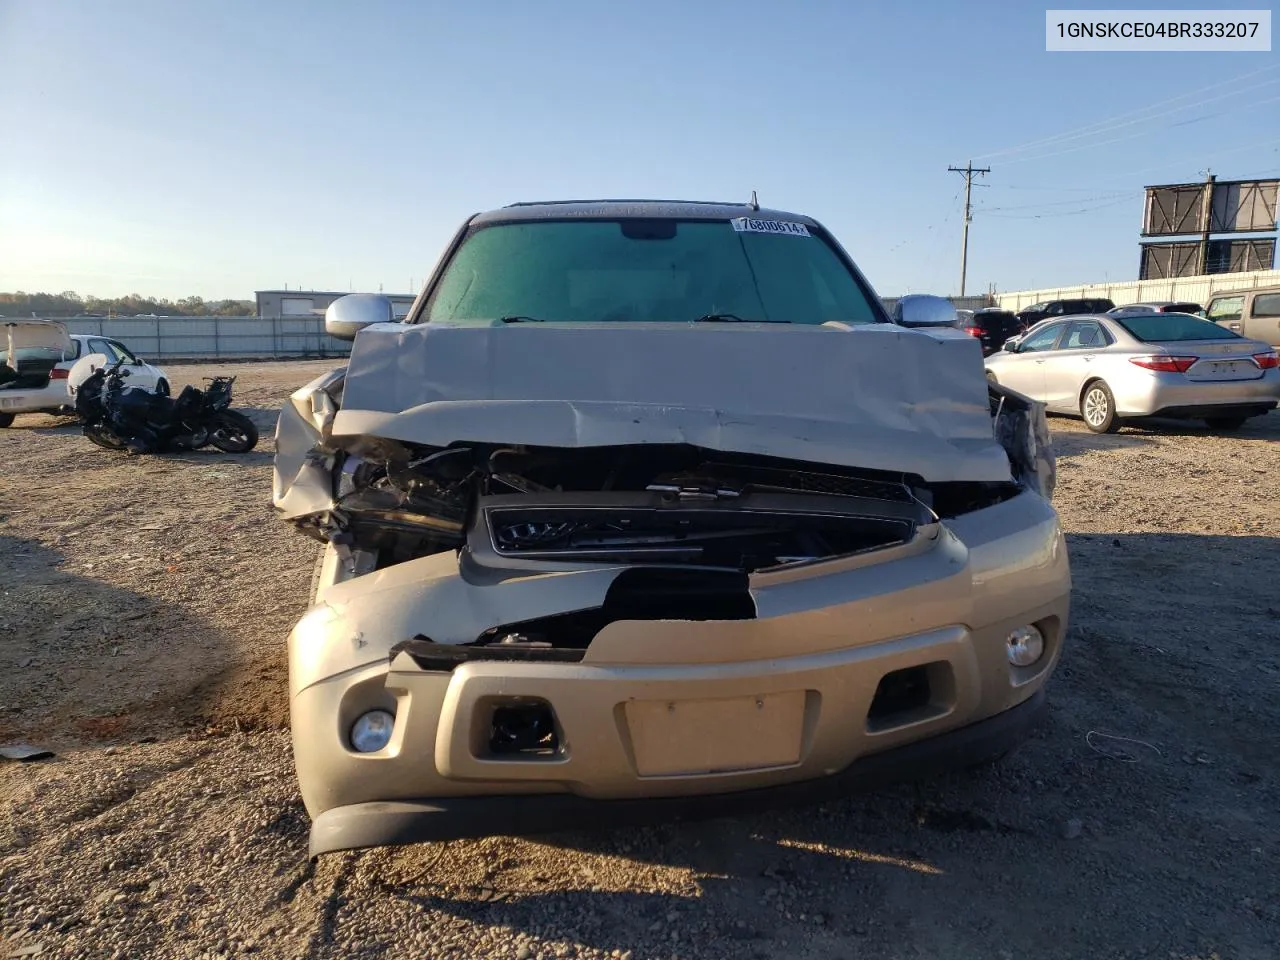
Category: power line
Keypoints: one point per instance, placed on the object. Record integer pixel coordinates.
(1211, 155)
(1110, 195)
(1060, 213)
(930, 227)
(967, 172)
(1141, 133)
(1091, 128)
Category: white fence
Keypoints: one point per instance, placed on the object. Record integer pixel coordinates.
(199, 338)
(1190, 289)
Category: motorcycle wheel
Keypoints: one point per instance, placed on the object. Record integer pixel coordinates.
(108, 441)
(233, 432)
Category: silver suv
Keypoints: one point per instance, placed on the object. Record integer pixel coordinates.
(646, 510)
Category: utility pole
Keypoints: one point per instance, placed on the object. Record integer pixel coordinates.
(1206, 221)
(967, 172)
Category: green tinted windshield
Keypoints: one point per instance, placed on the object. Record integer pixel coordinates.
(646, 270)
(1169, 327)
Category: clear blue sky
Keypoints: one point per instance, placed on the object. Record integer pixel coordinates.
(171, 148)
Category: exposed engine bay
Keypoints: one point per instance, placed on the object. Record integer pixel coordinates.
(652, 504)
(627, 504)
(674, 504)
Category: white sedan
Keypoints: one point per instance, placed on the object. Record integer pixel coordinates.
(1107, 368)
(36, 357)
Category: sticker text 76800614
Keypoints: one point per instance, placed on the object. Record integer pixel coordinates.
(785, 227)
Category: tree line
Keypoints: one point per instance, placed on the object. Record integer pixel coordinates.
(71, 304)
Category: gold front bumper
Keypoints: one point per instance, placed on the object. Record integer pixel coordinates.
(678, 708)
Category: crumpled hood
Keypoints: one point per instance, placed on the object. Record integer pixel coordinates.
(874, 396)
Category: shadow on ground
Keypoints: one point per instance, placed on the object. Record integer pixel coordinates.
(85, 660)
(1068, 444)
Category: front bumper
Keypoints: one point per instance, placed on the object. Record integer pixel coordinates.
(378, 824)
(671, 709)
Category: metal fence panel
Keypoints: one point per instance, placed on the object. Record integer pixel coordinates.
(1191, 289)
(196, 338)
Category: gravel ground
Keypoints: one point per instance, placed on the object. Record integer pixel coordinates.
(144, 605)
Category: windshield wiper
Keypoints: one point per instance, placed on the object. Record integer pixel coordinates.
(730, 318)
(515, 318)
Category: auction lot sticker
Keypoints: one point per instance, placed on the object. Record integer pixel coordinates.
(1123, 31)
(784, 227)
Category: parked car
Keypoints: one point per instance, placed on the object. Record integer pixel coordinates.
(1250, 313)
(37, 359)
(646, 510)
(1109, 368)
(993, 326)
(1029, 316)
(1158, 306)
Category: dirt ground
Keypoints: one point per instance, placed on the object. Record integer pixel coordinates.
(143, 608)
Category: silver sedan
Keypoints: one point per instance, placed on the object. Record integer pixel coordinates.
(1105, 369)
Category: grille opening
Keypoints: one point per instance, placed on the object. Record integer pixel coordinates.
(900, 692)
(665, 594)
(561, 631)
(704, 536)
(912, 695)
(523, 729)
(636, 594)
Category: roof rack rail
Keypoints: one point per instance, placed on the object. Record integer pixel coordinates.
(704, 203)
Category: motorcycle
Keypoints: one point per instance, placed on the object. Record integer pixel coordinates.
(117, 417)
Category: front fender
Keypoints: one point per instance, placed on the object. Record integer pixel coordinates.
(1022, 427)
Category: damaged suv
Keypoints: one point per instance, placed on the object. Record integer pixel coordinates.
(646, 510)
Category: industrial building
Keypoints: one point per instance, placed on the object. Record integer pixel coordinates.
(312, 303)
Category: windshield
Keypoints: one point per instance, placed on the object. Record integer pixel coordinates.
(1169, 327)
(648, 270)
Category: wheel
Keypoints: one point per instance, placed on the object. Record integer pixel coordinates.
(233, 432)
(1225, 424)
(162, 387)
(991, 378)
(1098, 408)
(5, 419)
(108, 441)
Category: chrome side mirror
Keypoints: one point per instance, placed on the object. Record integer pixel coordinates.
(348, 315)
(1010, 346)
(924, 310)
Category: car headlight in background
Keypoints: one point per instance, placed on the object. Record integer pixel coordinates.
(372, 731)
(1026, 646)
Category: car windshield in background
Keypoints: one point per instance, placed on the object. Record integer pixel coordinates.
(648, 270)
(1170, 327)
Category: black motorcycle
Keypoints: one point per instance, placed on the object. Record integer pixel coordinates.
(131, 418)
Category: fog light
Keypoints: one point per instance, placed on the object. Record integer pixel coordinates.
(372, 731)
(1026, 646)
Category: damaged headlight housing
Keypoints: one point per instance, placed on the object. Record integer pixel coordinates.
(372, 731)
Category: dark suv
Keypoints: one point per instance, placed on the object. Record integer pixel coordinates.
(1063, 308)
(993, 326)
